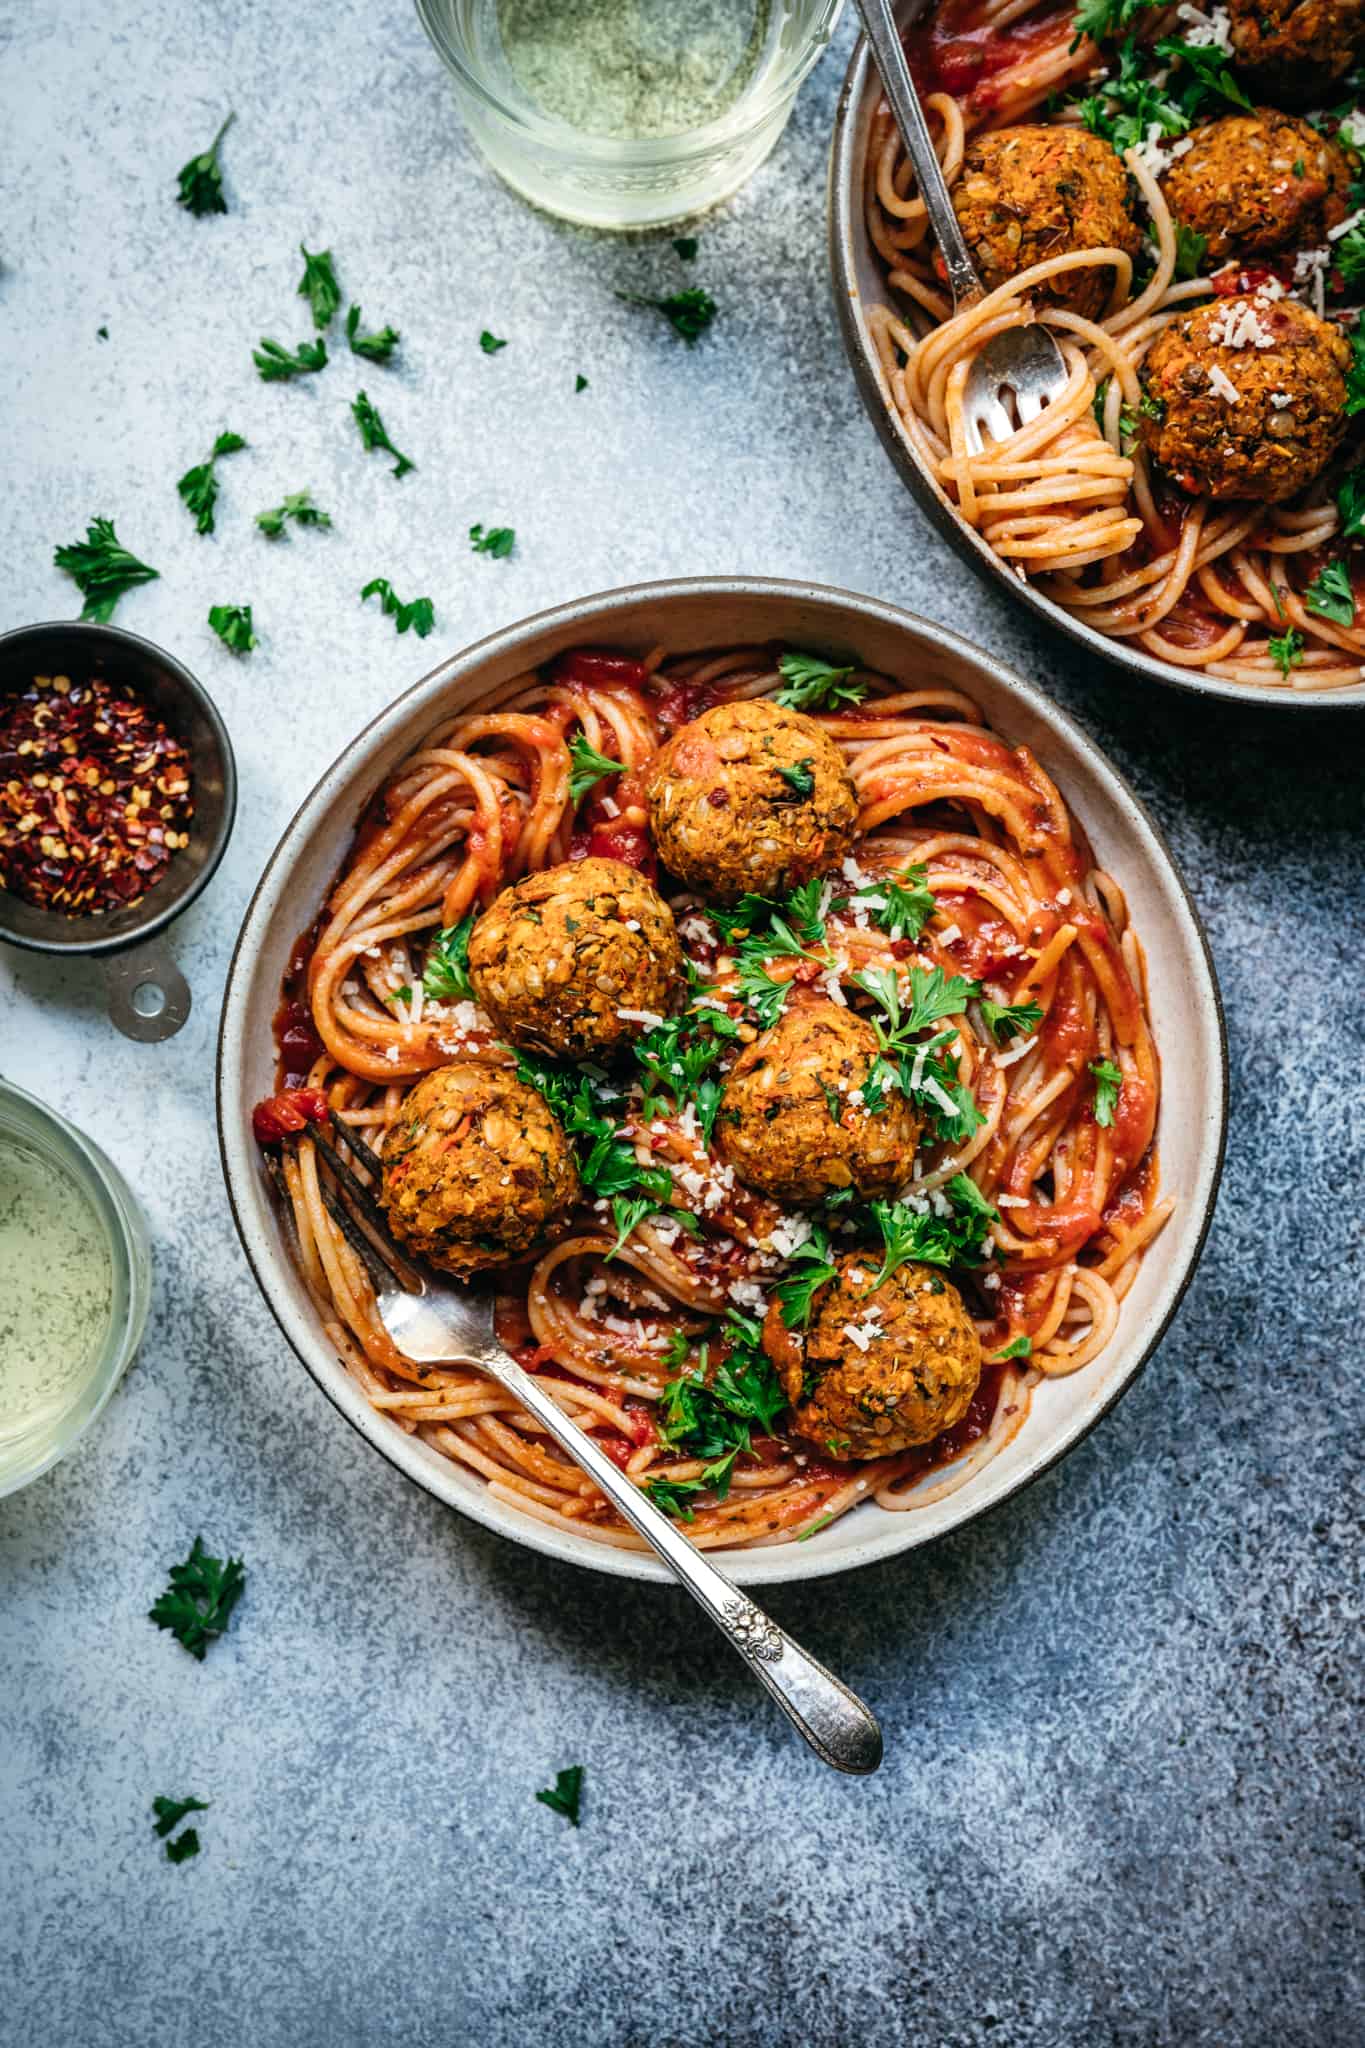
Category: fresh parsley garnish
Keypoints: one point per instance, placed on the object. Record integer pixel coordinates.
(373, 433)
(565, 1795)
(319, 286)
(1351, 504)
(169, 1814)
(1108, 1081)
(676, 1059)
(299, 507)
(1010, 1020)
(924, 1071)
(710, 1411)
(1286, 649)
(1129, 104)
(199, 486)
(686, 246)
(201, 179)
(812, 1267)
(445, 975)
(233, 625)
(1021, 1347)
(1355, 371)
(689, 313)
(811, 684)
(933, 1240)
(490, 343)
(1348, 256)
(800, 779)
(420, 614)
(1330, 594)
(589, 767)
(499, 541)
(198, 1603)
(901, 904)
(1190, 250)
(375, 348)
(607, 1165)
(1102, 19)
(102, 569)
(275, 365)
(580, 383)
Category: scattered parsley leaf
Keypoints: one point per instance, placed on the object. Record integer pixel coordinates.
(275, 365)
(812, 1267)
(1355, 371)
(1286, 649)
(1009, 1020)
(932, 1240)
(199, 486)
(1020, 1348)
(686, 246)
(1190, 250)
(102, 334)
(375, 348)
(420, 614)
(170, 1812)
(901, 905)
(689, 313)
(445, 976)
(1108, 1081)
(565, 1795)
(373, 434)
(589, 767)
(233, 625)
(1351, 504)
(800, 779)
(814, 1528)
(815, 685)
(1330, 594)
(319, 286)
(102, 569)
(201, 179)
(184, 1846)
(580, 383)
(1102, 19)
(498, 542)
(490, 343)
(198, 1603)
(299, 507)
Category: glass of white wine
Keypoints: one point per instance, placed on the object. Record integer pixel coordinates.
(627, 113)
(75, 1280)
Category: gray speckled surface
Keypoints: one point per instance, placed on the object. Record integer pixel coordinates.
(1122, 1795)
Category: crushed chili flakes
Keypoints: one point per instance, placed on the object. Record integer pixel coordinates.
(95, 796)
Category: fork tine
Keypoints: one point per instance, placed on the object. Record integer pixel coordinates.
(377, 1267)
(369, 1159)
(366, 1213)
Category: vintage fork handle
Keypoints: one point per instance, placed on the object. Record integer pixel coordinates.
(833, 1720)
(888, 54)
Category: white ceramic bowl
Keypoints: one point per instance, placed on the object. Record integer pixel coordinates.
(718, 612)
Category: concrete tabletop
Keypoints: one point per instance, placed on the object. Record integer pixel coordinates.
(1122, 1794)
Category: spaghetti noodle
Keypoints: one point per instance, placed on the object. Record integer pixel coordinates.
(1070, 500)
(1013, 904)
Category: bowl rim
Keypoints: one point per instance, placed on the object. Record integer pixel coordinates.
(99, 633)
(844, 214)
(594, 614)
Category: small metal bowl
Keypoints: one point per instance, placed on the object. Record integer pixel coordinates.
(858, 282)
(148, 996)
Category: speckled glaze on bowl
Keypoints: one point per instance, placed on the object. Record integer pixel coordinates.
(856, 276)
(714, 612)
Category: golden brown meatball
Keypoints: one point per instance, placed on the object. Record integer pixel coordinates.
(476, 1169)
(1244, 398)
(1295, 50)
(792, 1120)
(750, 796)
(1255, 183)
(885, 1369)
(571, 960)
(1028, 193)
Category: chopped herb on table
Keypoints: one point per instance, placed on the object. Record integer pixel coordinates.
(689, 313)
(375, 348)
(589, 767)
(810, 684)
(1108, 1082)
(686, 246)
(490, 343)
(102, 569)
(580, 383)
(275, 365)
(299, 507)
(102, 333)
(566, 1794)
(199, 486)
(233, 625)
(1331, 596)
(319, 286)
(198, 1603)
(499, 541)
(420, 614)
(201, 179)
(374, 435)
(169, 1814)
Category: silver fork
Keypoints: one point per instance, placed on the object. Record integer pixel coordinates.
(435, 1323)
(1021, 369)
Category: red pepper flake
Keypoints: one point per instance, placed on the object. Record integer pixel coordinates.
(95, 796)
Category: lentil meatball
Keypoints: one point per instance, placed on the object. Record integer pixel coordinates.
(750, 796)
(1296, 49)
(908, 1373)
(1257, 420)
(789, 1122)
(476, 1169)
(557, 959)
(1256, 183)
(1028, 193)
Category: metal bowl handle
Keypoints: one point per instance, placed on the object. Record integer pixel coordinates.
(148, 996)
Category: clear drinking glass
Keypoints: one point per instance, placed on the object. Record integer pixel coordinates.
(708, 131)
(40, 1425)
